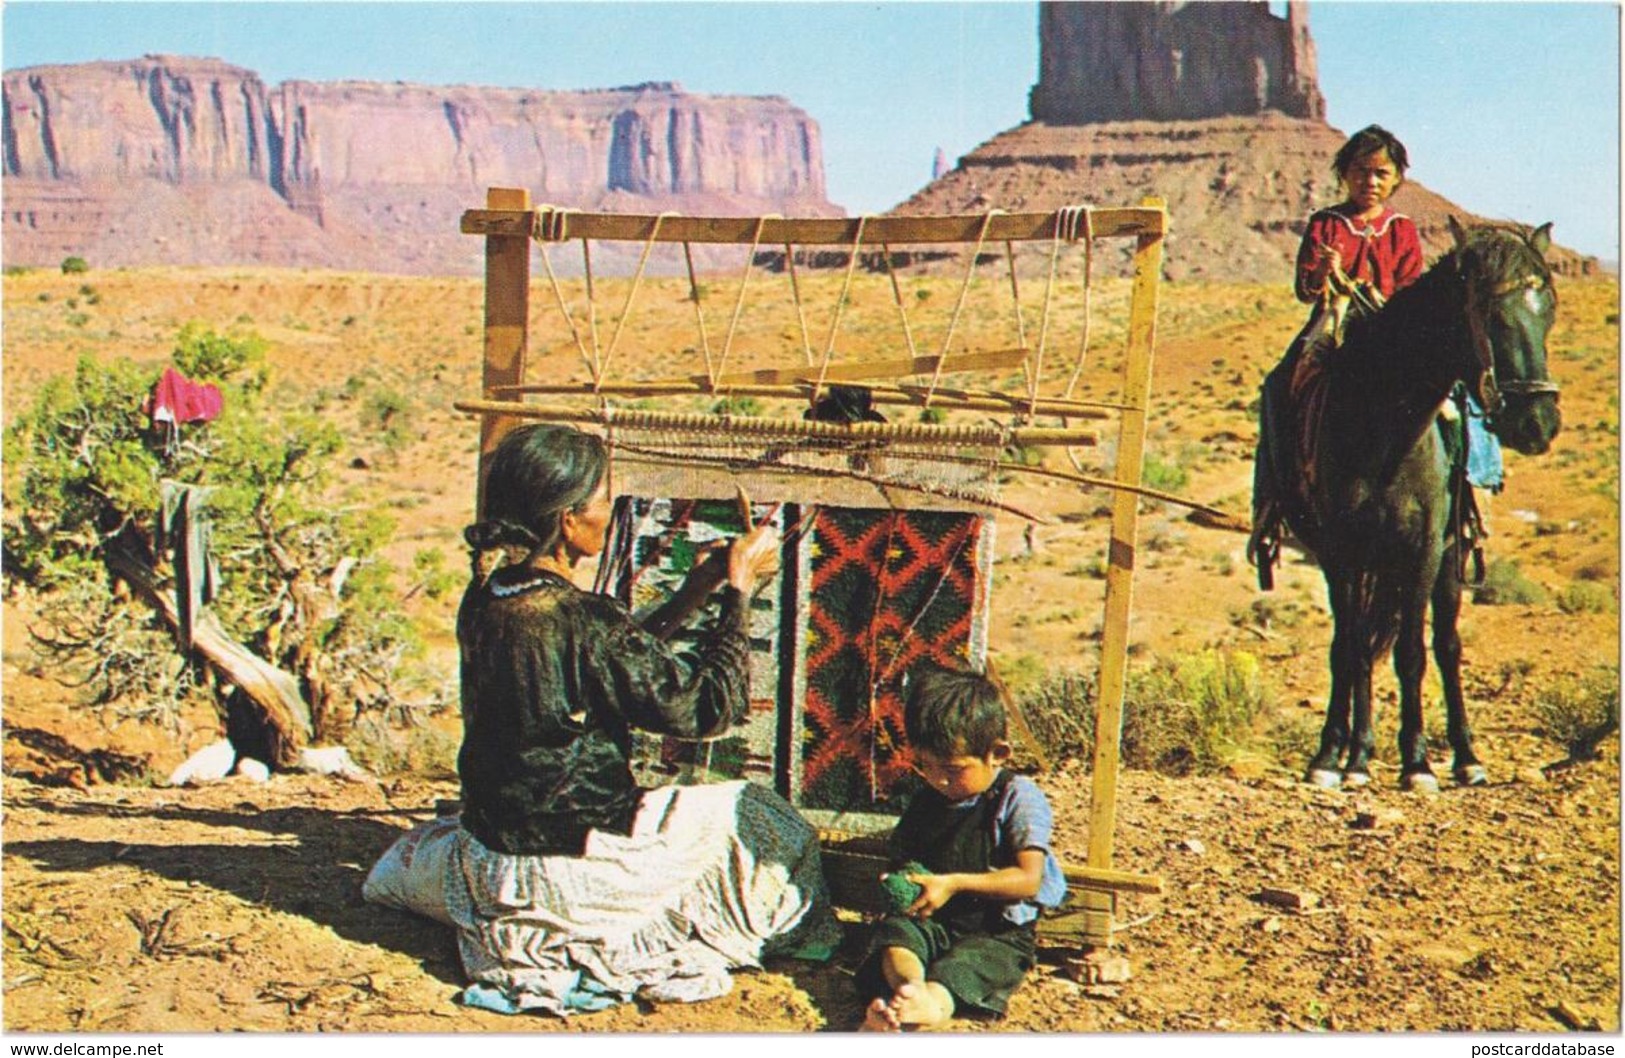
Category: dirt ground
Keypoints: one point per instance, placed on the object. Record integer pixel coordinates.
(133, 907)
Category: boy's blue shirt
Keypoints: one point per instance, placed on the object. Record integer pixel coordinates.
(1023, 821)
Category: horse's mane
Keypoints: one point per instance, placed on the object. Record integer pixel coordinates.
(1492, 253)
(1500, 251)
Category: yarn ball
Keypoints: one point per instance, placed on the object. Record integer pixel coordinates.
(900, 892)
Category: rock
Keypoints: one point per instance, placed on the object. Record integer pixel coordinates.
(1173, 61)
(1290, 899)
(1575, 1018)
(211, 763)
(331, 760)
(257, 771)
(1099, 968)
(1194, 846)
(1381, 817)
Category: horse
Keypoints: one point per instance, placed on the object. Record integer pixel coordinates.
(1381, 508)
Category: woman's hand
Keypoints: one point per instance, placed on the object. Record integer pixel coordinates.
(753, 558)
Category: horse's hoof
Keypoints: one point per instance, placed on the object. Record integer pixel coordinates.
(1422, 782)
(1327, 778)
(1473, 775)
(1356, 778)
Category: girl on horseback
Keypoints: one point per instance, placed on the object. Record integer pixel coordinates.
(1353, 257)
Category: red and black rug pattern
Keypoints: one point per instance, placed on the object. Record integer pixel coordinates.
(887, 589)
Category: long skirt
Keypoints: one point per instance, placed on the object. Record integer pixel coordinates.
(711, 879)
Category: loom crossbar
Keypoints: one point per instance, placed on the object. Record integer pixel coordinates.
(559, 225)
(752, 426)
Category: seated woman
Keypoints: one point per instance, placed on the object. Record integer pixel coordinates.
(571, 887)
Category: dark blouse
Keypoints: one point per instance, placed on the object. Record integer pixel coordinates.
(553, 680)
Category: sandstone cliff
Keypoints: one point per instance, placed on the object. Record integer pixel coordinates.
(184, 160)
(1173, 61)
(1213, 107)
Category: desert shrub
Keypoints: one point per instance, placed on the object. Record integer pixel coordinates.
(74, 266)
(1294, 738)
(1163, 475)
(1189, 713)
(434, 579)
(1505, 585)
(1585, 596)
(1579, 711)
(1267, 612)
(302, 583)
(748, 406)
(207, 355)
(387, 415)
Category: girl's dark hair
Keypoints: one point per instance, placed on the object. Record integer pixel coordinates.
(1370, 140)
(952, 711)
(536, 474)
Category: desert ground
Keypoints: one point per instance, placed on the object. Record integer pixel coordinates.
(130, 906)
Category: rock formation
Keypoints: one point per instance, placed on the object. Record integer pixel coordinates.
(1173, 61)
(184, 160)
(1213, 107)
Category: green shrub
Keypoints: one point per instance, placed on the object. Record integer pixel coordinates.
(302, 581)
(1505, 585)
(389, 416)
(74, 266)
(1196, 712)
(1579, 711)
(1585, 596)
(429, 565)
(203, 354)
(1162, 475)
(748, 406)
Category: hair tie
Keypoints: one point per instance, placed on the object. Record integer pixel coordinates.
(499, 532)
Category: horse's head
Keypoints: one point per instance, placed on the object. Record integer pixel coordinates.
(1511, 305)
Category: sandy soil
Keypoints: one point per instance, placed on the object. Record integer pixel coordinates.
(130, 907)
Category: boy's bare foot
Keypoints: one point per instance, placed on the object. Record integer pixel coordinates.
(917, 1006)
(879, 1018)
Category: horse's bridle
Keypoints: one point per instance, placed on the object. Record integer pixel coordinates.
(1492, 391)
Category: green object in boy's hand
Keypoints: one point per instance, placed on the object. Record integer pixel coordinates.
(900, 892)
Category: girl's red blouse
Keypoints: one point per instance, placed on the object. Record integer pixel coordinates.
(1387, 252)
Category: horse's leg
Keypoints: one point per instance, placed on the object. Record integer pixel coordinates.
(1447, 654)
(1326, 767)
(1357, 772)
(1410, 664)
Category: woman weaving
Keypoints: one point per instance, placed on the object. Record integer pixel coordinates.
(573, 888)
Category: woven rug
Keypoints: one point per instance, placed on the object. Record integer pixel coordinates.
(862, 595)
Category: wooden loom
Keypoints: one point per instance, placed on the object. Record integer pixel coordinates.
(512, 229)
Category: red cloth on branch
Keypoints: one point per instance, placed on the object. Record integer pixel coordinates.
(177, 399)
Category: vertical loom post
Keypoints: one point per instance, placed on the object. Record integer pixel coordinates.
(1120, 574)
(507, 322)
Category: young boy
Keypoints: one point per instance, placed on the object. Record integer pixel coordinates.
(983, 835)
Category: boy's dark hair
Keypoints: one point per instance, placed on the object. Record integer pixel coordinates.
(952, 711)
(1369, 140)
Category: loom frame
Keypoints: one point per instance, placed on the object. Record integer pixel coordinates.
(510, 226)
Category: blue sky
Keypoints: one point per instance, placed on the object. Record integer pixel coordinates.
(1509, 109)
